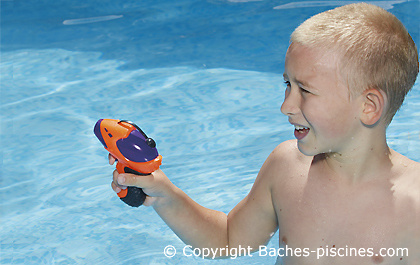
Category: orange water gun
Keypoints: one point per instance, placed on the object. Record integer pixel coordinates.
(135, 152)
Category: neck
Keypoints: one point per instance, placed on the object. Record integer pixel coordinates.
(364, 160)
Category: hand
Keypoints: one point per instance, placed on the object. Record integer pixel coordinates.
(156, 185)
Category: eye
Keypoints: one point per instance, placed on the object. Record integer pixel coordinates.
(304, 90)
(288, 87)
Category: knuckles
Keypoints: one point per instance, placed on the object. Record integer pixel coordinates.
(122, 180)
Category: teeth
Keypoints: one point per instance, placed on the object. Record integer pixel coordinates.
(298, 127)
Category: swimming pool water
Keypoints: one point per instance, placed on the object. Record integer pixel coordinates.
(203, 78)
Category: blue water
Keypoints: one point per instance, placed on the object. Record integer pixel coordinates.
(203, 78)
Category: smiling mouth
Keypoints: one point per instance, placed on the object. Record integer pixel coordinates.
(301, 132)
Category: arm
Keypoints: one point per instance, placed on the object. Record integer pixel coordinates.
(251, 223)
(194, 225)
(254, 221)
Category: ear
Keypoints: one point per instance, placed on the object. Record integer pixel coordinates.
(374, 103)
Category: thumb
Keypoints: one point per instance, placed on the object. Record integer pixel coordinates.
(134, 180)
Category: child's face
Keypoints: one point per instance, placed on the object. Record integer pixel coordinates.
(317, 102)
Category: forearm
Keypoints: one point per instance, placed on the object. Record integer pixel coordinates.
(194, 224)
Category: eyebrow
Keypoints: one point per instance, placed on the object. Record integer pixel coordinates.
(303, 83)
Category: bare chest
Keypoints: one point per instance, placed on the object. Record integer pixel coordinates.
(341, 226)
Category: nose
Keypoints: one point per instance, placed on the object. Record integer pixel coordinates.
(291, 103)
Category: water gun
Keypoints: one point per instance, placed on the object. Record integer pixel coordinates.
(135, 152)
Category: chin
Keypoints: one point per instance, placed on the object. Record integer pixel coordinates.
(308, 150)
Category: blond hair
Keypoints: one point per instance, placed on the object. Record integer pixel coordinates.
(376, 49)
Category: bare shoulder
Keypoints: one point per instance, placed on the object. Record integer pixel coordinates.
(284, 163)
(406, 180)
(406, 191)
(289, 153)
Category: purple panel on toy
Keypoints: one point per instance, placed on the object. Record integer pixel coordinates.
(97, 131)
(138, 134)
(135, 149)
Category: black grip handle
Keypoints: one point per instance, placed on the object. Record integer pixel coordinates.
(135, 196)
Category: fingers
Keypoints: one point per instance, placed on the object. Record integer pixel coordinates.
(115, 185)
(121, 181)
(156, 185)
(111, 159)
(125, 179)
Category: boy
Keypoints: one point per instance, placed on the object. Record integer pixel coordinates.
(339, 194)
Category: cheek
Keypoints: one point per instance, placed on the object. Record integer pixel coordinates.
(332, 119)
